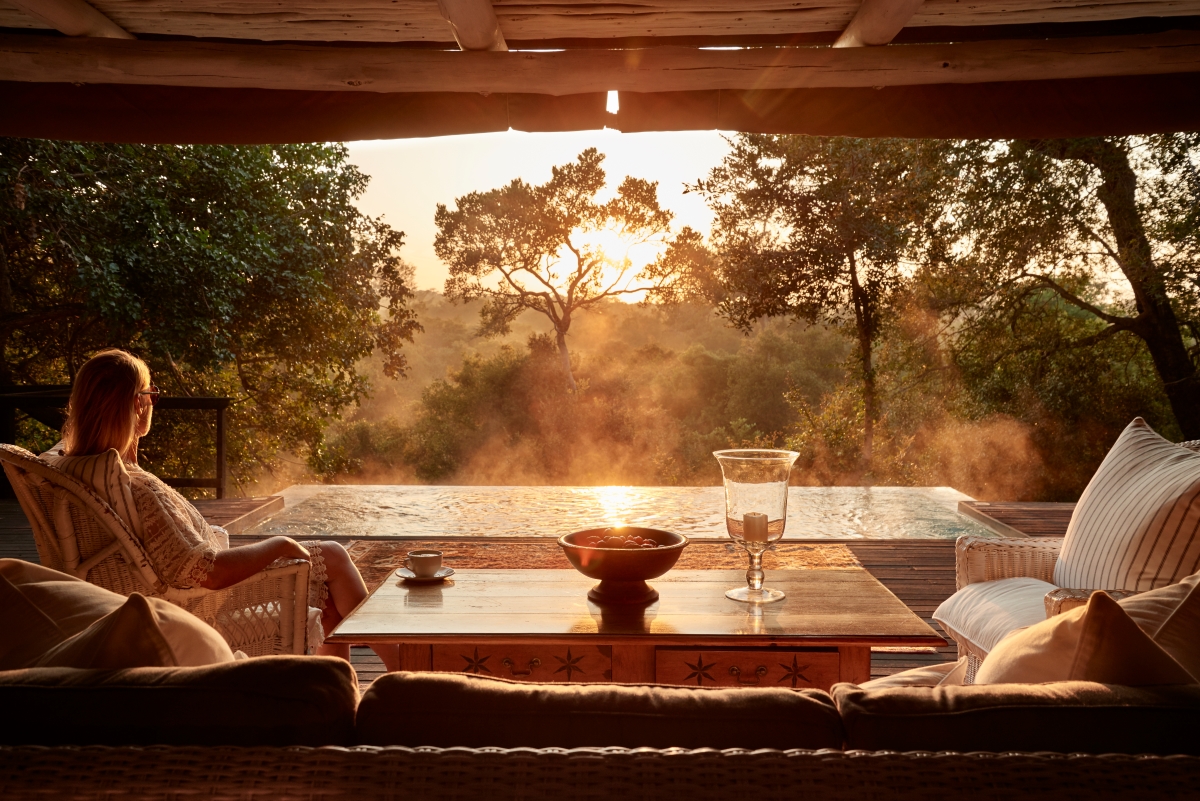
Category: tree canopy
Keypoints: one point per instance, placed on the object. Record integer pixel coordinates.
(245, 271)
(820, 229)
(1108, 226)
(550, 248)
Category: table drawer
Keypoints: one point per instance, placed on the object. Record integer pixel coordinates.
(573, 664)
(719, 667)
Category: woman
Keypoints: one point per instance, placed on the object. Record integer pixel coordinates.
(111, 406)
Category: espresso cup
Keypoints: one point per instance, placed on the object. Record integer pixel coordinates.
(424, 564)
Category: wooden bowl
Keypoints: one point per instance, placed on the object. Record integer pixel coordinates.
(623, 571)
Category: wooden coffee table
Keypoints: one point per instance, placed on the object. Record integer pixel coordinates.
(538, 625)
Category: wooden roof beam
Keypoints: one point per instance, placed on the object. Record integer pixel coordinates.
(474, 24)
(44, 59)
(877, 22)
(72, 17)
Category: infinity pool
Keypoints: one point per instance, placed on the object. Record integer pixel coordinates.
(814, 513)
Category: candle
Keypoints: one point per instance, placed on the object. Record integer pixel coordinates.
(754, 527)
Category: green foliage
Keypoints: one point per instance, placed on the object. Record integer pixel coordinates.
(1075, 400)
(360, 449)
(820, 229)
(548, 248)
(240, 271)
(1108, 226)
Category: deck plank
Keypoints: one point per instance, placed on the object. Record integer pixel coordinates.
(1020, 519)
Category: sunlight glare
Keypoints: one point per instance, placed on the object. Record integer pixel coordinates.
(617, 503)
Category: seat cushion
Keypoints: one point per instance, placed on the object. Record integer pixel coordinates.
(1104, 642)
(55, 620)
(986, 612)
(448, 709)
(271, 700)
(1066, 717)
(1137, 524)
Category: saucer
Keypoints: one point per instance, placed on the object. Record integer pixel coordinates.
(408, 575)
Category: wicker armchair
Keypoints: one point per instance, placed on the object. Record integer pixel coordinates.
(990, 559)
(982, 559)
(77, 533)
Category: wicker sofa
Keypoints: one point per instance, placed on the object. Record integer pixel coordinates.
(294, 727)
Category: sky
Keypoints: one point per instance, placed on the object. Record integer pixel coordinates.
(409, 177)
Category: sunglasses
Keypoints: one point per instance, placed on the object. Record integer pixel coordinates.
(153, 392)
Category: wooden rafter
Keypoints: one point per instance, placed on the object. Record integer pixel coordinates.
(877, 22)
(72, 17)
(474, 24)
(541, 24)
(667, 69)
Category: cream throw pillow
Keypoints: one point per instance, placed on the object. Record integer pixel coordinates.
(1107, 643)
(52, 619)
(1137, 525)
(106, 474)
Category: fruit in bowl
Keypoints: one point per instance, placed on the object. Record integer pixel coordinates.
(622, 558)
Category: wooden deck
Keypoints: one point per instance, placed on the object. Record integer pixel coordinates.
(1018, 519)
(236, 515)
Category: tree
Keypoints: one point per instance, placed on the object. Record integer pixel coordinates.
(1110, 226)
(245, 271)
(543, 248)
(819, 229)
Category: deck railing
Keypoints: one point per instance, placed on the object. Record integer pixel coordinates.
(46, 404)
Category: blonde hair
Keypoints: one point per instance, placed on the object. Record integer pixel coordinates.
(102, 412)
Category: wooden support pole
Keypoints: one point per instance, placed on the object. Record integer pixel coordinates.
(222, 466)
(474, 24)
(877, 22)
(663, 69)
(72, 17)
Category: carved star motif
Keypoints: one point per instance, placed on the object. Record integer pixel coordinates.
(795, 672)
(699, 670)
(476, 665)
(570, 665)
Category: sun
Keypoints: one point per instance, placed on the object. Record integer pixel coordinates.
(623, 259)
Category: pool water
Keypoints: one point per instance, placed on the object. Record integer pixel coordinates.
(814, 513)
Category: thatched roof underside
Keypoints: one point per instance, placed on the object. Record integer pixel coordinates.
(315, 70)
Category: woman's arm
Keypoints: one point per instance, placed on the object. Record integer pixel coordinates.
(236, 564)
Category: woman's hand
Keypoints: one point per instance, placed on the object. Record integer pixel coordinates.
(240, 563)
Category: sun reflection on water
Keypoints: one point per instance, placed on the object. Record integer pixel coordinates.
(617, 503)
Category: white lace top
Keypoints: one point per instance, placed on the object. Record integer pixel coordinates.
(179, 542)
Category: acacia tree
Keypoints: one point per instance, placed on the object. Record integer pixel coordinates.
(241, 271)
(818, 229)
(1109, 226)
(541, 248)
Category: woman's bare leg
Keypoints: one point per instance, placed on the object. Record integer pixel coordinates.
(346, 591)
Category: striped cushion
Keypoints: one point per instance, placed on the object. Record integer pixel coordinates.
(106, 474)
(1137, 525)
